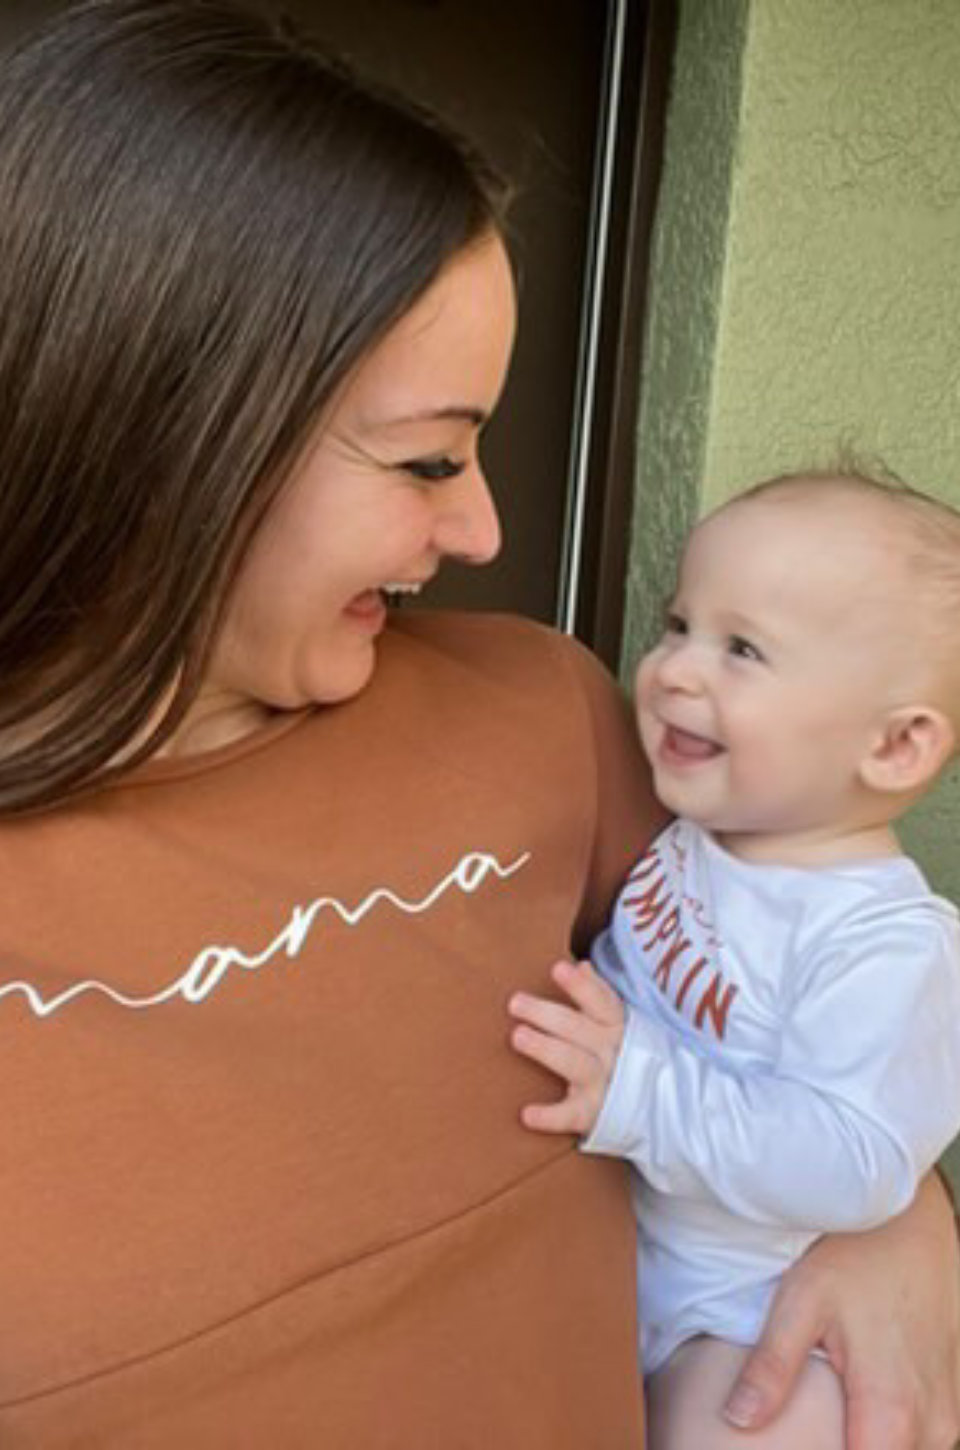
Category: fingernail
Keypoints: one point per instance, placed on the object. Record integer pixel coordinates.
(743, 1406)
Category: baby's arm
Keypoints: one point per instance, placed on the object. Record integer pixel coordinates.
(864, 1097)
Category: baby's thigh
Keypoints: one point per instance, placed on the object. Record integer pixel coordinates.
(685, 1402)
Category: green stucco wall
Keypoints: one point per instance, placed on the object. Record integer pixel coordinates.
(806, 277)
(689, 258)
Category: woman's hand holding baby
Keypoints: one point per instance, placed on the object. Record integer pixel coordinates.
(580, 1043)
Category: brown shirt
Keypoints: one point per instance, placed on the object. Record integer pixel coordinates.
(262, 1180)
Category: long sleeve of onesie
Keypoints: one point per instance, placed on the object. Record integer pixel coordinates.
(830, 1080)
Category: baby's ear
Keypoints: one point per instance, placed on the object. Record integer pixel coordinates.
(914, 745)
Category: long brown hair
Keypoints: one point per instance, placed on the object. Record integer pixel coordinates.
(204, 224)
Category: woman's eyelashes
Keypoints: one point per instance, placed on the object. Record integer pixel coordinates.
(432, 470)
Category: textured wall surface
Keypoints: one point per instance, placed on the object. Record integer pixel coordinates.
(688, 265)
(815, 305)
(840, 318)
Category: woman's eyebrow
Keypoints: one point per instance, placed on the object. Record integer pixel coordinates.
(459, 412)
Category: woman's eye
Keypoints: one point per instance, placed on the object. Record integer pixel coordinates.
(674, 623)
(744, 650)
(432, 470)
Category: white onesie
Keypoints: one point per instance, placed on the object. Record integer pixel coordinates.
(790, 1067)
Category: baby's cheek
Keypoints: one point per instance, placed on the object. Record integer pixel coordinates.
(642, 695)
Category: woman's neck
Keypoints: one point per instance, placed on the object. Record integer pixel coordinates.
(215, 718)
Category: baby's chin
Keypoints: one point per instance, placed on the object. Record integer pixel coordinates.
(721, 825)
(681, 798)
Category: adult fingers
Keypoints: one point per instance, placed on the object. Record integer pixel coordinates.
(877, 1422)
(879, 1416)
(900, 1415)
(770, 1372)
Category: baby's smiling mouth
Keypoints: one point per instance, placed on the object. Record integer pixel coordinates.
(683, 745)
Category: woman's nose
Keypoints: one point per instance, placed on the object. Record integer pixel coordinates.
(468, 527)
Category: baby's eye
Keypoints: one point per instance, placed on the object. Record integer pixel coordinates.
(743, 649)
(674, 623)
(432, 470)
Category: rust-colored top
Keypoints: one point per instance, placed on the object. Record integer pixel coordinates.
(262, 1180)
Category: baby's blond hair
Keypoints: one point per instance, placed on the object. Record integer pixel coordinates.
(923, 537)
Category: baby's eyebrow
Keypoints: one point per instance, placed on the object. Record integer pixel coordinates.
(742, 623)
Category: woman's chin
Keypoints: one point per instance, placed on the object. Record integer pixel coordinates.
(337, 678)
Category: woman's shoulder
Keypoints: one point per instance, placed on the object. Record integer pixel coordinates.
(496, 676)
(541, 715)
(503, 651)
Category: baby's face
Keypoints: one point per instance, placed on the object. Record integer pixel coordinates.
(780, 660)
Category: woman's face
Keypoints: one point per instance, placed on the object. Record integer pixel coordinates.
(392, 487)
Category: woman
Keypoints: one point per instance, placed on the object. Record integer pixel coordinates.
(264, 1182)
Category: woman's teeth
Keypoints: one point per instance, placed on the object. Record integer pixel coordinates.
(399, 589)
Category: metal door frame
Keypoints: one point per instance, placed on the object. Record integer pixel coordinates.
(638, 52)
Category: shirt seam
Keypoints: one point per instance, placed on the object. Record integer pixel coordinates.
(195, 1337)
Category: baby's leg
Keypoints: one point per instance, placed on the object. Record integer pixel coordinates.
(685, 1404)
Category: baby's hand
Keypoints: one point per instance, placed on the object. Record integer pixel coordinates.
(578, 1043)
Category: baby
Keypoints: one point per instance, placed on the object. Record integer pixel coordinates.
(770, 1031)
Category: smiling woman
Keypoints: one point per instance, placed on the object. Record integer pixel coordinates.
(181, 190)
(391, 487)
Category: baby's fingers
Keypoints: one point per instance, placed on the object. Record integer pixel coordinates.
(588, 991)
(572, 1063)
(568, 1116)
(555, 1019)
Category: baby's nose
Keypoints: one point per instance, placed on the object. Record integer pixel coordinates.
(682, 669)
